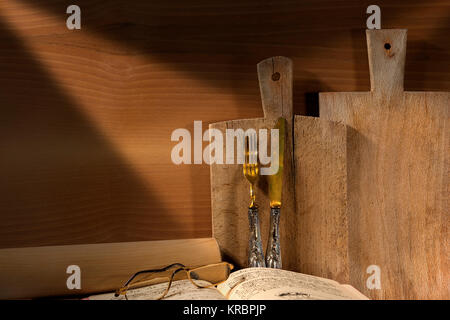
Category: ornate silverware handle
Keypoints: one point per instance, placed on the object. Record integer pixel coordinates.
(273, 253)
(255, 251)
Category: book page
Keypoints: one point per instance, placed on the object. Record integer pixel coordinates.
(242, 275)
(266, 283)
(179, 290)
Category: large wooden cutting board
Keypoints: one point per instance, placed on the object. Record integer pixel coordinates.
(398, 177)
(35, 272)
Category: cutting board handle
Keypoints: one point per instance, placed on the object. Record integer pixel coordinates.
(275, 82)
(387, 51)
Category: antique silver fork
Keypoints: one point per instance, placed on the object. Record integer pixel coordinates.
(251, 172)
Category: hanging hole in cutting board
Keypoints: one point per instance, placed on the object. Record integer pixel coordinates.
(276, 76)
(387, 46)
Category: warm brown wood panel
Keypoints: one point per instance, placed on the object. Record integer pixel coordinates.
(398, 176)
(87, 114)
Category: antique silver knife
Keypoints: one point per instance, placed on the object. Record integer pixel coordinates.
(273, 252)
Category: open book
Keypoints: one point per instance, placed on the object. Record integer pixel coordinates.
(250, 284)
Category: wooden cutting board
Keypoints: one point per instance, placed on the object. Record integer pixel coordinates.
(320, 159)
(398, 177)
(313, 218)
(229, 188)
(37, 272)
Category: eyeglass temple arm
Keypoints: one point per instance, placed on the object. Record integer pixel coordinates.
(152, 270)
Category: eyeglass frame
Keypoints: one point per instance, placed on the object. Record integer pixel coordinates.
(181, 267)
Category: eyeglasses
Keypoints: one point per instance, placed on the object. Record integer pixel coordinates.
(202, 277)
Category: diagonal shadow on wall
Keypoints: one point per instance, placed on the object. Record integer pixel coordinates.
(62, 182)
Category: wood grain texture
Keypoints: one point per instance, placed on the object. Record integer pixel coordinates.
(41, 271)
(398, 177)
(86, 115)
(320, 157)
(230, 190)
(275, 82)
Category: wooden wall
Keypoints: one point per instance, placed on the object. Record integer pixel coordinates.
(86, 116)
